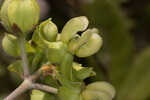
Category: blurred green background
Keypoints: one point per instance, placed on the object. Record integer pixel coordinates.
(124, 59)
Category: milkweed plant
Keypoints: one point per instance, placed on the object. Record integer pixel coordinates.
(46, 62)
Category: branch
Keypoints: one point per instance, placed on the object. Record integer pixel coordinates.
(22, 43)
(36, 75)
(26, 85)
(45, 88)
(29, 84)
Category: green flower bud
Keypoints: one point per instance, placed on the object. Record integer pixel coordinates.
(95, 95)
(86, 45)
(99, 91)
(20, 15)
(4, 15)
(48, 30)
(102, 86)
(10, 45)
(78, 41)
(91, 47)
(73, 26)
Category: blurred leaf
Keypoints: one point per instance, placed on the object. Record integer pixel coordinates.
(16, 71)
(16, 67)
(2, 69)
(2, 96)
(36, 38)
(40, 95)
(136, 86)
(118, 44)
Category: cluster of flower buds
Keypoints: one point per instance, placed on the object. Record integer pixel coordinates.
(85, 45)
(82, 46)
(20, 16)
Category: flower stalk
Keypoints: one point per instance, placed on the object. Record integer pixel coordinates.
(22, 45)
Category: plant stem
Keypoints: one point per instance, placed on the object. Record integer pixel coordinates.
(21, 89)
(22, 43)
(36, 75)
(28, 83)
(45, 88)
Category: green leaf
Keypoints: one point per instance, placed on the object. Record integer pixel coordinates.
(16, 67)
(82, 73)
(136, 84)
(50, 81)
(85, 73)
(118, 43)
(16, 71)
(36, 38)
(29, 48)
(38, 59)
(40, 95)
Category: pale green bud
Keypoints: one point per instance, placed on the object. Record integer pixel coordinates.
(48, 30)
(86, 45)
(95, 95)
(73, 26)
(91, 47)
(10, 45)
(102, 86)
(4, 15)
(22, 15)
(78, 41)
(99, 91)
